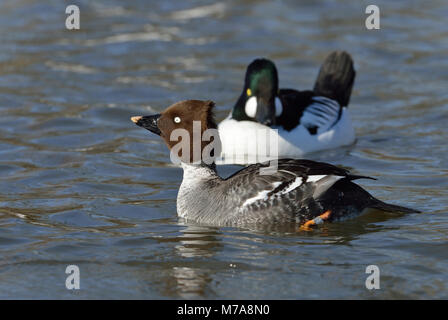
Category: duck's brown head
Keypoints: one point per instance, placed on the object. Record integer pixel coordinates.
(188, 129)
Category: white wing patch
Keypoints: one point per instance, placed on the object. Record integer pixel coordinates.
(322, 113)
(262, 195)
(315, 178)
(326, 182)
(297, 183)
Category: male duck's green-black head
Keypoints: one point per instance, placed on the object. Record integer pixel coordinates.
(257, 101)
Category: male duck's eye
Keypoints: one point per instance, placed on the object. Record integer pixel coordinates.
(176, 119)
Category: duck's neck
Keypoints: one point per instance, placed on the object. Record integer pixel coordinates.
(199, 171)
(196, 189)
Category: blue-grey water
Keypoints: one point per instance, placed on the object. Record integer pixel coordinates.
(81, 184)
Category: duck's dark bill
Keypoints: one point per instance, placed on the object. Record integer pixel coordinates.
(148, 122)
(265, 114)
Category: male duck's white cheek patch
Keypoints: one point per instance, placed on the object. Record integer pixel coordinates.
(278, 107)
(251, 107)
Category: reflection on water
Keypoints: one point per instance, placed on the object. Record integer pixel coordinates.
(197, 241)
(80, 184)
(194, 242)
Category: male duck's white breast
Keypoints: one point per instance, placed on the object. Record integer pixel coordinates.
(246, 141)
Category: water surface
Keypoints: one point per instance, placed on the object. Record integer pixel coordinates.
(81, 184)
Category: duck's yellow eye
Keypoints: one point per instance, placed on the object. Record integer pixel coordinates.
(249, 92)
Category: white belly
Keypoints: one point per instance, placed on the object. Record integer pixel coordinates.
(251, 142)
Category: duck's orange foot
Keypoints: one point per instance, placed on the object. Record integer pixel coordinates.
(318, 220)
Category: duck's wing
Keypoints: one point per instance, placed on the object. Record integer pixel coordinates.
(292, 180)
(318, 110)
(316, 113)
(320, 115)
(298, 191)
(293, 105)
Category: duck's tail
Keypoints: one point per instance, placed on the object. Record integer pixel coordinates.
(383, 206)
(336, 77)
